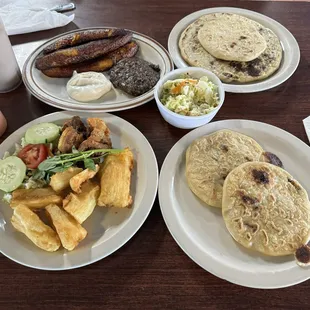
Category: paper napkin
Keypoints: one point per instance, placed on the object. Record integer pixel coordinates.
(306, 122)
(24, 16)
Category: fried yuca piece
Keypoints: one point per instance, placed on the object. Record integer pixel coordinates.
(69, 230)
(115, 179)
(61, 180)
(28, 223)
(36, 198)
(97, 65)
(77, 181)
(82, 205)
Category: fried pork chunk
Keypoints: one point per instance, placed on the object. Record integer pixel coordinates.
(99, 137)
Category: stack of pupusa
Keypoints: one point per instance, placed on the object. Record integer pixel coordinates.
(263, 206)
(235, 48)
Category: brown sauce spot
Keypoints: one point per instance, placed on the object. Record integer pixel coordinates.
(212, 63)
(242, 38)
(248, 158)
(236, 65)
(250, 226)
(229, 75)
(260, 29)
(252, 71)
(273, 159)
(293, 182)
(260, 176)
(224, 148)
(232, 45)
(248, 200)
(303, 254)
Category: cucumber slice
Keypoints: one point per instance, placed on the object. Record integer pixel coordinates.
(12, 173)
(42, 133)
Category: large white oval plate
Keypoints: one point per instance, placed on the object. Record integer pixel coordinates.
(291, 53)
(200, 230)
(108, 228)
(53, 90)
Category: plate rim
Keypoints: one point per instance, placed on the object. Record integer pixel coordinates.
(252, 87)
(175, 228)
(133, 228)
(32, 86)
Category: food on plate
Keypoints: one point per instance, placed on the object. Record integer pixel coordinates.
(266, 209)
(42, 133)
(302, 255)
(33, 154)
(35, 198)
(115, 179)
(61, 180)
(57, 174)
(100, 64)
(99, 137)
(82, 205)
(80, 178)
(29, 223)
(211, 158)
(69, 230)
(3, 124)
(81, 53)
(231, 71)
(70, 138)
(231, 37)
(79, 37)
(271, 158)
(190, 96)
(88, 86)
(12, 173)
(95, 136)
(134, 76)
(84, 55)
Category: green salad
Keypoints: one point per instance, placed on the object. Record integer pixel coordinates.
(189, 96)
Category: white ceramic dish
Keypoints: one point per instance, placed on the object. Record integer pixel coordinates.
(108, 228)
(182, 121)
(291, 53)
(200, 230)
(53, 90)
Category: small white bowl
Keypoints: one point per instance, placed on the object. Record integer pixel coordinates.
(183, 121)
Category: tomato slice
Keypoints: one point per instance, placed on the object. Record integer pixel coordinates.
(33, 154)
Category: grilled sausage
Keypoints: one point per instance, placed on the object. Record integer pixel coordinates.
(98, 65)
(83, 37)
(82, 52)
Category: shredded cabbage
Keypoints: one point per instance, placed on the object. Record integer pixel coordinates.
(190, 96)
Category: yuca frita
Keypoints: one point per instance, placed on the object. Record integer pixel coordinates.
(77, 170)
(203, 45)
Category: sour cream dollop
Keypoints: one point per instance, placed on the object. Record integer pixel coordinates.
(88, 86)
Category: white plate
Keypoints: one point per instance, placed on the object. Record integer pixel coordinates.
(291, 53)
(200, 230)
(108, 228)
(53, 90)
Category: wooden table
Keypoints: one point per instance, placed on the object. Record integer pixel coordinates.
(151, 271)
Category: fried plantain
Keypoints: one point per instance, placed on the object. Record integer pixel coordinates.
(83, 37)
(81, 52)
(97, 65)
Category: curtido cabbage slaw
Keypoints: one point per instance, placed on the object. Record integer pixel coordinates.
(190, 97)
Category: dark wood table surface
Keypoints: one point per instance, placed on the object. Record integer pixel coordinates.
(151, 271)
